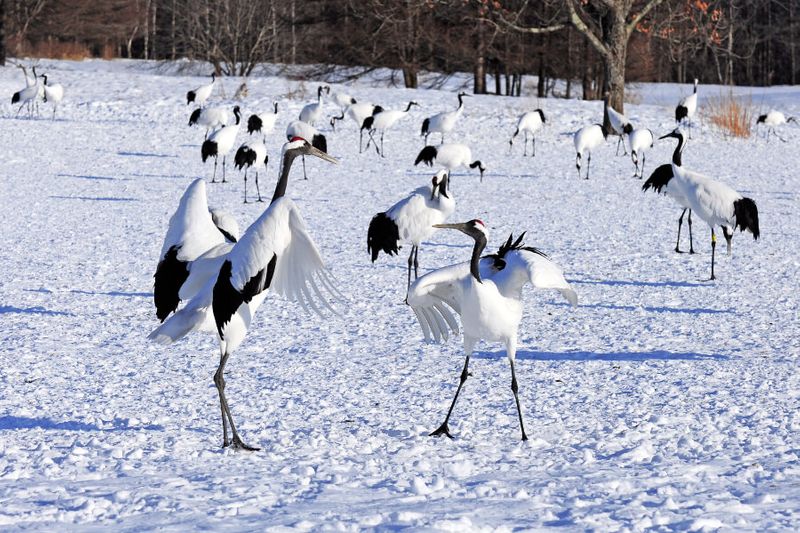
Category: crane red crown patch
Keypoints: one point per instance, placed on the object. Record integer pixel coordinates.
(479, 221)
(296, 138)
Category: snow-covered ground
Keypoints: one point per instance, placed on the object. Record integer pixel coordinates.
(661, 402)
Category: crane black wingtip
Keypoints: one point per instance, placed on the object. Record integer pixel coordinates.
(746, 213)
(383, 235)
(171, 273)
(209, 149)
(426, 155)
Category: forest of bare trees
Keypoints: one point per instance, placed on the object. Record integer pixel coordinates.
(594, 45)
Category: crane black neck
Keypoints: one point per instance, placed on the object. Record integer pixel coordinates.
(283, 179)
(676, 155)
(408, 107)
(480, 244)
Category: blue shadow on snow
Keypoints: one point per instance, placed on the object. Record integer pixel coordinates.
(614, 282)
(656, 355)
(23, 422)
(38, 310)
(114, 293)
(96, 198)
(659, 309)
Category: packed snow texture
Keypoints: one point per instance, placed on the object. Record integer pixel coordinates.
(662, 401)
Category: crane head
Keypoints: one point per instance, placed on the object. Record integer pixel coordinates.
(675, 134)
(299, 146)
(475, 228)
(439, 180)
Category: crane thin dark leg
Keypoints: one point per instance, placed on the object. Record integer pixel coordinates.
(219, 381)
(444, 429)
(691, 244)
(713, 250)
(680, 223)
(245, 185)
(258, 190)
(214, 176)
(515, 388)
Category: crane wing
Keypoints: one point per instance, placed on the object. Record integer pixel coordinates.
(530, 265)
(190, 234)
(195, 315)
(435, 296)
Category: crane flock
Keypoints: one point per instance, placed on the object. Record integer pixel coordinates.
(222, 276)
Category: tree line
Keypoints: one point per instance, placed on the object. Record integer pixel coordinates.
(595, 45)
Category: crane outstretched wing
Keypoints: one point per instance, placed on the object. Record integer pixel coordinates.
(537, 269)
(434, 297)
(195, 315)
(191, 233)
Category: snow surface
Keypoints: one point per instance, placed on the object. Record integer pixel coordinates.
(661, 402)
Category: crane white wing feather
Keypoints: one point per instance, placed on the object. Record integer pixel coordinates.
(195, 315)
(191, 226)
(541, 272)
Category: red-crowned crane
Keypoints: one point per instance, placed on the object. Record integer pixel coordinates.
(443, 122)
(528, 123)
(382, 121)
(214, 117)
(686, 108)
(661, 182)
(450, 156)
(586, 140)
(301, 129)
(714, 202)
(220, 143)
(772, 120)
(487, 294)
(411, 220)
(275, 253)
(641, 140)
(342, 99)
(359, 113)
(201, 94)
(263, 123)
(311, 113)
(620, 125)
(53, 94)
(252, 154)
(195, 239)
(27, 96)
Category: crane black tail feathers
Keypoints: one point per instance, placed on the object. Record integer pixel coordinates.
(367, 124)
(15, 98)
(189, 97)
(320, 142)
(194, 117)
(681, 113)
(170, 275)
(426, 155)
(383, 235)
(425, 124)
(244, 156)
(746, 214)
(209, 149)
(659, 178)
(253, 124)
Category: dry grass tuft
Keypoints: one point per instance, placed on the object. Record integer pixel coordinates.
(733, 116)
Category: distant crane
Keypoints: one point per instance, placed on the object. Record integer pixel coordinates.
(251, 154)
(213, 117)
(53, 93)
(684, 111)
(220, 143)
(586, 140)
(201, 94)
(311, 113)
(641, 140)
(382, 121)
(528, 123)
(620, 125)
(359, 113)
(301, 129)
(264, 123)
(443, 122)
(450, 156)
(772, 120)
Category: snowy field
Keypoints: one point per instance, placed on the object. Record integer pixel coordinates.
(662, 402)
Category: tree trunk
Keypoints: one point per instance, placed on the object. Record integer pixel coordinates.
(479, 83)
(410, 77)
(616, 39)
(3, 34)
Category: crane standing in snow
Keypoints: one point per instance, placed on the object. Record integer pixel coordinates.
(772, 120)
(586, 140)
(529, 122)
(412, 219)
(450, 156)
(220, 143)
(487, 294)
(443, 122)
(201, 94)
(714, 202)
(251, 154)
(263, 123)
(275, 253)
(382, 121)
(686, 108)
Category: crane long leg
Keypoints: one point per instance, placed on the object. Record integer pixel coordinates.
(219, 381)
(533, 145)
(416, 262)
(619, 141)
(514, 389)
(525, 144)
(410, 262)
(680, 223)
(588, 165)
(258, 190)
(214, 176)
(245, 185)
(223, 169)
(578, 164)
(305, 177)
(691, 244)
(444, 429)
(728, 238)
(644, 159)
(713, 250)
(383, 154)
(361, 140)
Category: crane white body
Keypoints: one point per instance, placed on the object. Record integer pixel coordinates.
(53, 94)
(411, 220)
(641, 140)
(27, 96)
(342, 99)
(714, 202)
(587, 140)
(263, 123)
(382, 121)
(358, 113)
(220, 143)
(275, 253)
(202, 93)
(251, 154)
(686, 108)
(312, 113)
(772, 120)
(212, 118)
(443, 122)
(528, 124)
(487, 294)
(620, 125)
(449, 156)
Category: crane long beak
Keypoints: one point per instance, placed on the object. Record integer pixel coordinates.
(670, 134)
(322, 155)
(459, 227)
